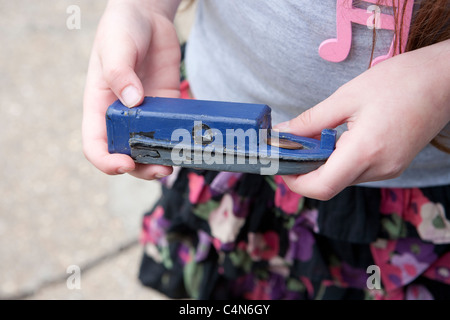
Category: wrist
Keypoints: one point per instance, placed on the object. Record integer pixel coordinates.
(432, 64)
(166, 8)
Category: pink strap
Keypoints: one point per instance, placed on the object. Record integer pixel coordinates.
(184, 90)
(337, 50)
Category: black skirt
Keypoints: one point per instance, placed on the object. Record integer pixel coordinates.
(223, 235)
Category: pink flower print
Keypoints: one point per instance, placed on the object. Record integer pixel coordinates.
(405, 203)
(410, 267)
(412, 206)
(390, 274)
(261, 291)
(308, 285)
(263, 246)
(440, 269)
(224, 224)
(391, 201)
(401, 261)
(242, 245)
(285, 199)
(154, 226)
(184, 254)
(217, 244)
(337, 276)
(418, 292)
(198, 191)
(412, 209)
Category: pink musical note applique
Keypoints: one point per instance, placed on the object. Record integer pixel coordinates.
(337, 50)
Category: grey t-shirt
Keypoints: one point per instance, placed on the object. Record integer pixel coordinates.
(267, 52)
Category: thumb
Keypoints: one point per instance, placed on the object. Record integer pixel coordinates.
(328, 114)
(118, 68)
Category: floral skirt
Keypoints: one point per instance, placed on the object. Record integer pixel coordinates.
(223, 235)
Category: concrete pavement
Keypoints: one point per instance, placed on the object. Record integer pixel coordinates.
(58, 212)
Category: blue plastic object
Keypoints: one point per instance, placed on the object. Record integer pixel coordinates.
(212, 135)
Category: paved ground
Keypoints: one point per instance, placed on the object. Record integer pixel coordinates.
(57, 211)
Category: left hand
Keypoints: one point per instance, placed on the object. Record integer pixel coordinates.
(136, 53)
(392, 110)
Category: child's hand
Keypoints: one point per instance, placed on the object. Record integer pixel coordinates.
(135, 53)
(392, 110)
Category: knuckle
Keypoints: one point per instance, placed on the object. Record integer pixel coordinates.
(326, 193)
(322, 193)
(394, 170)
(112, 74)
(371, 151)
(305, 118)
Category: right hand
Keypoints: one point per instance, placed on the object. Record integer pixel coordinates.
(136, 53)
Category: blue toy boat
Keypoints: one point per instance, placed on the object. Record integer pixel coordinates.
(212, 135)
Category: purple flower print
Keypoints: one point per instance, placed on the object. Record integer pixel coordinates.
(203, 246)
(422, 251)
(353, 277)
(301, 239)
(223, 182)
(413, 257)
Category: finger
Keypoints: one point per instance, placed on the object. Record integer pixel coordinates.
(118, 68)
(151, 172)
(328, 114)
(160, 74)
(97, 98)
(343, 168)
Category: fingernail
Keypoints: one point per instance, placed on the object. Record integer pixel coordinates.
(160, 175)
(123, 170)
(282, 126)
(130, 96)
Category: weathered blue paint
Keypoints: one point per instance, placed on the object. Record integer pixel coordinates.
(221, 129)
